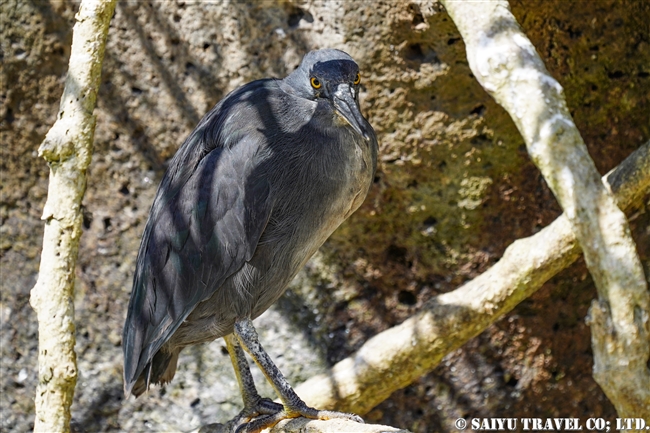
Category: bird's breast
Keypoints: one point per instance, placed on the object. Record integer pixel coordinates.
(343, 183)
(317, 184)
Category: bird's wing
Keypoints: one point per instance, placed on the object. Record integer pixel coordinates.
(205, 223)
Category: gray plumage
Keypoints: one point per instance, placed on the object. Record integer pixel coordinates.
(264, 179)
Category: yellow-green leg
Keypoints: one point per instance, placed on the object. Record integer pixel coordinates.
(254, 405)
(292, 405)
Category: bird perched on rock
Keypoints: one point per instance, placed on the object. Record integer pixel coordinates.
(264, 179)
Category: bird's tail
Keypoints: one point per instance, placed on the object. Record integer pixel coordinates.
(160, 370)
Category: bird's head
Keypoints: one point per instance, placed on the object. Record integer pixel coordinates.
(332, 75)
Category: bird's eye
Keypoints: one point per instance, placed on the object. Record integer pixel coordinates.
(315, 83)
(357, 80)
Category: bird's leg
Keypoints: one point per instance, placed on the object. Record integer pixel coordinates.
(254, 405)
(293, 406)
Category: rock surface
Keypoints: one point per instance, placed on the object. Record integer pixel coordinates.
(454, 188)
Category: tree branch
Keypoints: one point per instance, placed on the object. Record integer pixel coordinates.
(396, 357)
(304, 425)
(506, 64)
(67, 148)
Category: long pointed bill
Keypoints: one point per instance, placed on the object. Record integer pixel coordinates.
(346, 106)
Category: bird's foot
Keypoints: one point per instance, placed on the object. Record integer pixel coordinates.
(301, 409)
(263, 407)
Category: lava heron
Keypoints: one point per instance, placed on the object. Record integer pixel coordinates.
(264, 179)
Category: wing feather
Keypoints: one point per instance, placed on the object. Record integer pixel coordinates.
(206, 220)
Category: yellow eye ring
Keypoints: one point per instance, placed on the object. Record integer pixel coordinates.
(358, 79)
(315, 83)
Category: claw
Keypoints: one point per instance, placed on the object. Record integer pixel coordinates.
(245, 337)
(301, 409)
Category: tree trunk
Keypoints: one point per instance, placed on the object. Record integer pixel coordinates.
(506, 64)
(67, 148)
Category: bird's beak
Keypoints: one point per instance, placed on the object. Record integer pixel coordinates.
(347, 107)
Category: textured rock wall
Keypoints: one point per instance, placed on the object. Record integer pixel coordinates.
(454, 188)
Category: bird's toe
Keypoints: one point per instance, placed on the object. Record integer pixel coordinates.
(330, 414)
(260, 423)
(267, 421)
(266, 406)
(256, 417)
